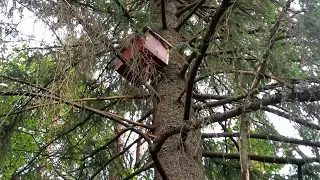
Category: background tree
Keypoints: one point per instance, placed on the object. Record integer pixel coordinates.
(67, 114)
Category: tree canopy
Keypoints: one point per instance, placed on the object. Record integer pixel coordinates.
(238, 72)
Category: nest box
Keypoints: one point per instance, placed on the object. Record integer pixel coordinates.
(149, 46)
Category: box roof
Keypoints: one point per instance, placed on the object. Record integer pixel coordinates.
(148, 29)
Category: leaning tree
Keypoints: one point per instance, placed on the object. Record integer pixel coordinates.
(163, 89)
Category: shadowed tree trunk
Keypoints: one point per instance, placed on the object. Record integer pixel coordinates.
(178, 161)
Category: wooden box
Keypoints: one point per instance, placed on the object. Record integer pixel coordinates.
(151, 47)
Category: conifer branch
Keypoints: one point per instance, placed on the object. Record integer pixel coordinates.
(185, 8)
(144, 168)
(291, 117)
(124, 11)
(186, 65)
(113, 117)
(184, 20)
(163, 15)
(113, 158)
(264, 159)
(205, 44)
(307, 95)
(278, 138)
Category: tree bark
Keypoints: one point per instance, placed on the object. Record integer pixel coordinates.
(179, 160)
(243, 142)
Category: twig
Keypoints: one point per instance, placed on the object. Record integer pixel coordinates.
(27, 108)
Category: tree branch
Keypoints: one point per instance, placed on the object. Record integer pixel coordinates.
(145, 116)
(266, 137)
(163, 15)
(144, 168)
(218, 103)
(222, 100)
(56, 138)
(110, 116)
(121, 98)
(185, 8)
(186, 65)
(205, 44)
(313, 94)
(114, 157)
(290, 117)
(199, 3)
(200, 97)
(25, 82)
(106, 144)
(264, 159)
(124, 11)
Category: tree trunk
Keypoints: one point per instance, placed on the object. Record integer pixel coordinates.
(179, 161)
(244, 160)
